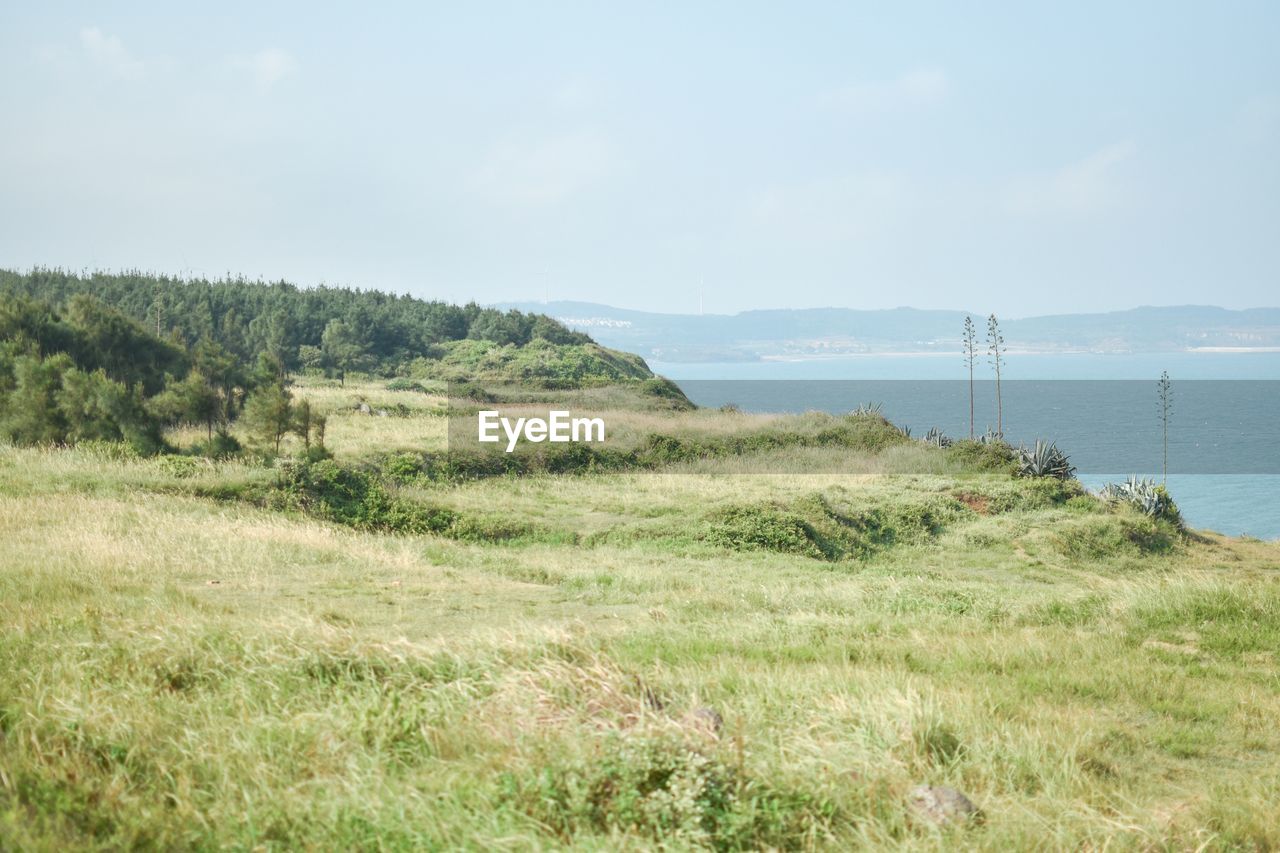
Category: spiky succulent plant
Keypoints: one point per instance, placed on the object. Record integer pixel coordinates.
(1044, 460)
(1148, 496)
(937, 438)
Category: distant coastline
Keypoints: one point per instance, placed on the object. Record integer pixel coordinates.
(804, 357)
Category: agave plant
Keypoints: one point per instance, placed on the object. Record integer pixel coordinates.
(991, 437)
(867, 409)
(1044, 460)
(1148, 496)
(937, 438)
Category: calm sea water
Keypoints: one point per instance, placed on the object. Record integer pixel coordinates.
(1224, 441)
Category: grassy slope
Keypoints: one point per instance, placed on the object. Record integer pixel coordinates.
(183, 672)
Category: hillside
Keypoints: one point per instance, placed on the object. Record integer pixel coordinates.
(121, 357)
(752, 335)
(338, 329)
(670, 642)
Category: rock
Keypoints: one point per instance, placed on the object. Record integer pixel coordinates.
(381, 413)
(708, 718)
(364, 409)
(942, 805)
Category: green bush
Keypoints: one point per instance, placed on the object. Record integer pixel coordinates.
(661, 388)
(223, 445)
(983, 455)
(354, 498)
(1096, 537)
(763, 528)
(816, 527)
(180, 467)
(662, 789)
(403, 384)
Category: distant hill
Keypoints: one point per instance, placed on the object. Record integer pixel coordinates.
(344, 328)
(815, 332)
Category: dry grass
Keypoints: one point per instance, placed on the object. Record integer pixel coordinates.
(185, 673)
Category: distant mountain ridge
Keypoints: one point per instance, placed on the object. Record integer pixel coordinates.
(818, 332)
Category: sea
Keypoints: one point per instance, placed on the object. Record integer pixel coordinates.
(1221, 460)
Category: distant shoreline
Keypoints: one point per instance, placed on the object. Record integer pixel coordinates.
(949, 354)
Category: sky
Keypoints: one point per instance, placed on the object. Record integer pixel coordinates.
(989, 157)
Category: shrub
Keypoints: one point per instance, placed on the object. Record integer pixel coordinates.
(403, 384)
(664, 389)
(470, 391)
(402, 467)
(1095, 537)
(355, 498)
(223, 445)
(180, 467)
(983, 455)
(763, 528)
(661, 788)
(814, 527)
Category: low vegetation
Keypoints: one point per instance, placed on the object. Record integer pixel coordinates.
(663, 642)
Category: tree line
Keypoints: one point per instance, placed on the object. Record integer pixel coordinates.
(337, 329)
(120, 357)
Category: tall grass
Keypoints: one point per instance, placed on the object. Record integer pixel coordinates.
(185, 672)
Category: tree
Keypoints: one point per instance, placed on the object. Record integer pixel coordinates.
(311, 358)
(105, 338)
(269, 412)
(30, 414)
(1165, 389)
(995, 348)
(303, 422)
(223, 372)
(194, 400)
(86, 402)
(342, 349)
(273, 333)
(970, 356)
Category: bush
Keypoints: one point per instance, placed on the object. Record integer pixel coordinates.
(223, 445)
(470, 391)
(814, 527)
(664, 389)
(180, 467)
(1095, 537)
(355, 498)
(763, 528)
(662, 789)
(983, 455)
(403, 384)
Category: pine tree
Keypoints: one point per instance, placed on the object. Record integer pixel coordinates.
(269, 413)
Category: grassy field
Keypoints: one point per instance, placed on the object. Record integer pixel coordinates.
(183, 668)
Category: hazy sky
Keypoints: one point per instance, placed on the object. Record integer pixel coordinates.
(990, 157)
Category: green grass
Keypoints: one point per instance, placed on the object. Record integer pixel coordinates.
(186, 665)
